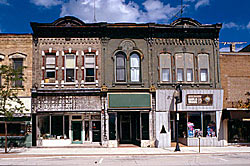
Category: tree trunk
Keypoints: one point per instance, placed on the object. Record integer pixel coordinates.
(6, 137)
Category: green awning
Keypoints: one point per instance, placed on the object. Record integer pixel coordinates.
(131, 101)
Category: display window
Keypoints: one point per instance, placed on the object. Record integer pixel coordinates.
(195, 124)
(53, 127)
(13, 129)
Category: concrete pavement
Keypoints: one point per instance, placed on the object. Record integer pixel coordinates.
(121, 151)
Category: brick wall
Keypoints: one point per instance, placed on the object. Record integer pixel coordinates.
(235, 77)
(14, 44)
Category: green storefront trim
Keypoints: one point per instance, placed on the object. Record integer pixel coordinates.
(132, 101)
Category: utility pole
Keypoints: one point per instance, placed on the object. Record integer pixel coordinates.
(232, 45)
(94, 12)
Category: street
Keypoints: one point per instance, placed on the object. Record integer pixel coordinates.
(226, 159)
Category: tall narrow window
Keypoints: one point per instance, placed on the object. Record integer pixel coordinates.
(203, 64)
(50, 68)
(189, 75)
(203, 75)
(120, 68)
(179, 74)
(134, 68)
(90, 68)
(70, 68)
(165, 67)
(18, 65)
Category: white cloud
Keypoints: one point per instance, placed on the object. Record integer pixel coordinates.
(201, 3)
(232, 25)
(4, 2)
(118, 10)
(189, 0)
(156, 10)
(248, 25)
(46, 3)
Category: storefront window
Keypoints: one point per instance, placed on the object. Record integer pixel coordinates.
(53, 127)
(209, 119)
(13, 129)
(194, 124)
(57, 126)
(182, 124)
(44, 126)
(112, 128)
(145, 126)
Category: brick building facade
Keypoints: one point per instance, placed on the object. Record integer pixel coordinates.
(16, 50)
(235, 80)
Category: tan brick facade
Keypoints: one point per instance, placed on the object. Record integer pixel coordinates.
(235, 77)
(14, 45)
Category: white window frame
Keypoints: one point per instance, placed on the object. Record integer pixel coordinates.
(85, 68)
(134, 68)
(65, 68)
(165, 65)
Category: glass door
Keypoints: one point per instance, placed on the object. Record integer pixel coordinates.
(76, 132)
(96, 131)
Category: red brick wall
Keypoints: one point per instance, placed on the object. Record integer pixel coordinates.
(235, 77)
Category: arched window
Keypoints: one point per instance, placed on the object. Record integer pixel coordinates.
(135, 67)
(120, 68)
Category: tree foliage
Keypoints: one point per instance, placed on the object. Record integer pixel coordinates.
(10, 103)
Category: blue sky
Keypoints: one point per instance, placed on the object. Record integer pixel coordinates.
(16, 15)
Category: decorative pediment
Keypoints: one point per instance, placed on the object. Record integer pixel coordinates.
(186, 23)
(127, 45)
(68, 21)
(17, 55)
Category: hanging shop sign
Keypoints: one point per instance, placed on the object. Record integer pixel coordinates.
(199, 99)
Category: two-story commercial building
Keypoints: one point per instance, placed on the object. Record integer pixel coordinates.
(16, 51)
(66, 101)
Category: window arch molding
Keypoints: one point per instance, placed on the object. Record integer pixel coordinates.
(17, 55)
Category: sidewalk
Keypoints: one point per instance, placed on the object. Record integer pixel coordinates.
(120, 151)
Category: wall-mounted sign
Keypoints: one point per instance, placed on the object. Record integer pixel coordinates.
(199, 99)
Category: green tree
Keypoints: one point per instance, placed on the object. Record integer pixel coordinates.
(10, 103)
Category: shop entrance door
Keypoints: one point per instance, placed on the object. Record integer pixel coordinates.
(76, 132)
(96, 130)
(125, 131)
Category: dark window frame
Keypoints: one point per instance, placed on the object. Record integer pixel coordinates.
(18, 65)
(121, 68)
